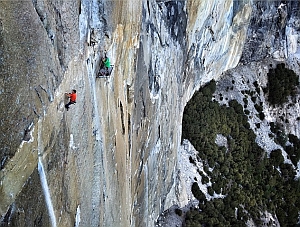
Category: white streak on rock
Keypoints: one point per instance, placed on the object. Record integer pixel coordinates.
(46, 192)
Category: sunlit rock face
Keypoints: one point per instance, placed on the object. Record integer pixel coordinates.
(180, 49)
(111, 160)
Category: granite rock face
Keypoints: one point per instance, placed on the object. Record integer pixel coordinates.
(111, 160)
(271, 23)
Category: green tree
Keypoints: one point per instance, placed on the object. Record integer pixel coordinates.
(276, 157)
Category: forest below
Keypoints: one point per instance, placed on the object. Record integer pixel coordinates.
(252, 181)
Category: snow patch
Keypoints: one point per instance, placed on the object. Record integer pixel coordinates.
(77, 217)
(292, 40)
(268, 219)
(187, 175)
(189, 171)
(71, 143)
(298, 170)
(221, 141)
(83, 21)
(30, 130)
(297, 53)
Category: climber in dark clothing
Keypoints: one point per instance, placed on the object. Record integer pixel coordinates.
(72, 96)
(105, 67)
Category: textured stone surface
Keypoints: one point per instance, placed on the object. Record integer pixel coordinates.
(114, 154)
(270, 24)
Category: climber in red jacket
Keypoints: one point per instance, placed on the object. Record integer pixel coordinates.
(72, 97)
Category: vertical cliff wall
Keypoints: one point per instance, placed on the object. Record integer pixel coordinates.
(182, 46)
(111, 160)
